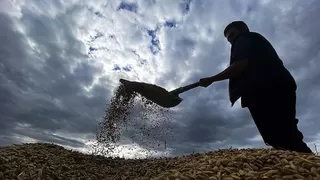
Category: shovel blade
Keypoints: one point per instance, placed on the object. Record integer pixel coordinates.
(154, 93)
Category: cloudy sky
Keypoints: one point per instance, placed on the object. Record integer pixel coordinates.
(60, 62)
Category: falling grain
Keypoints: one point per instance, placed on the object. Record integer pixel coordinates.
(130, 115)
(108, 131)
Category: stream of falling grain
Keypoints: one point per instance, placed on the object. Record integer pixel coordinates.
(130, 115)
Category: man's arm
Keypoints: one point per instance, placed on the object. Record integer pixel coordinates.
(234, 70)
(241, 55)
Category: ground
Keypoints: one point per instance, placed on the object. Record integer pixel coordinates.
(50, 161)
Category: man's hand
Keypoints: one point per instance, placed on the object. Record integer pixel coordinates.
(205, 82)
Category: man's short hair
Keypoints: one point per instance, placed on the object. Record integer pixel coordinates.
(239, 25)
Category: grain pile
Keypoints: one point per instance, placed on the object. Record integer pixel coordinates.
(49, 161)
(130, 115)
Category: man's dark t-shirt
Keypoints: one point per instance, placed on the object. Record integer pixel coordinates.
(265, 68)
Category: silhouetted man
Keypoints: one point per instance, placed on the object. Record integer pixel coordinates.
(266, 87)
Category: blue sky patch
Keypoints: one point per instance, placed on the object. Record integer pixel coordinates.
(155, 43)
(127, 68)
(185, 6)
(128, 6)
(116, 67)
(92, 49)
(170, 24)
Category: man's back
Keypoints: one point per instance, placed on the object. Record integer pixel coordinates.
(265, 67)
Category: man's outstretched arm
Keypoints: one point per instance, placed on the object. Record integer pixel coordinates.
(242, 51)
(234, 70)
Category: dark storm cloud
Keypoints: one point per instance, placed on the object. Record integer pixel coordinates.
(42, 90)
(206, 122)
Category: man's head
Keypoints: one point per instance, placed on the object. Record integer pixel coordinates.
(234, 29)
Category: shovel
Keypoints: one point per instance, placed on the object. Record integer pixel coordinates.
(158, 94)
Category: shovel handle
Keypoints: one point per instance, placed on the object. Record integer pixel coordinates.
(185, 88)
